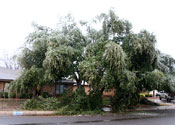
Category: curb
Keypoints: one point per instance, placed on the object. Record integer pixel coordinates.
(155, 108)
(27, 113)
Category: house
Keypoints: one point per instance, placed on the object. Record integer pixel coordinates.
(108, 93)
(59, 88)
(6, 76)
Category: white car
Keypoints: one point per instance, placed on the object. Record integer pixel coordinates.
(164, 95)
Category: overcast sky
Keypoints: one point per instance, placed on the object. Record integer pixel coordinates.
(16, 17)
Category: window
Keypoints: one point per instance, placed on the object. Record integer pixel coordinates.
(60, 89)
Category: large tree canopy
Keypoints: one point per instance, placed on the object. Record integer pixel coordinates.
(110, 57)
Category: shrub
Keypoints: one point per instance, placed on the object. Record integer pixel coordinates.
(80, 100)
(50, 104)
(29, 95)
(32, 104)
(95, 101)
(148, 95)
(12, 95)
(5, 95)
(106, 101)
(1, 94)
(66, 98)
(42, 104)
(148, 102)
(122, 100)
(22, 95)
(142, 95)
(45, 95)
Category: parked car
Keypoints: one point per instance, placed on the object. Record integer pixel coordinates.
(167, 96)
(158, 94)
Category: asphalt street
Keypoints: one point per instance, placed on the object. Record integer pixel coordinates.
(161, 117)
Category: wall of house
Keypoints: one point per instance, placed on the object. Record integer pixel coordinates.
(86, 87)
(108, 93)
(51, 88)
(5, 85)
(1, 86)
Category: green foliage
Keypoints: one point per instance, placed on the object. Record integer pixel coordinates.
(50, 104)
(80, 103)
(142, 95)
(148, 95)
(67, 110)
(55, 61)
(5, 95)
(66, 98)
(42, 104)
(32, 104)
(122, 100)
(147, 102)
(12, 95)
(95, 100)
(25, 95)
(153, 79)
(80, 100)
(168, 84)
(1, 94)
(45, 95)
(112, 57)
(106, 101)
(28, 80)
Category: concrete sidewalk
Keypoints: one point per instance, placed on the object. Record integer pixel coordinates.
(50, 113)
(27, 113)
(16, 112)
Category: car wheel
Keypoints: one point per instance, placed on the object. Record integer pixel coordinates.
(160, 97)
(167, 100)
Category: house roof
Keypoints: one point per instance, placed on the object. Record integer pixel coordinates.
(8, 74)
(66, 81)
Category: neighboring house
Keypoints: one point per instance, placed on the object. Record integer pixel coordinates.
(59, 88)
(6, 76)
(108, 93)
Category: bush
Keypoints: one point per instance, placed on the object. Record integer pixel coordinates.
(106, 101)
(142, 95)
(66, 98)
(29, 95)
(32, 104)
(68, 110)
(12, 95)
(147, 102)
(95, 101)
(123, 101)
(50, 104)
(42, 104)
(1, 94)
(80, 100)
(5, 95)
(45, 95)
(148, 95)
(22, 95)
